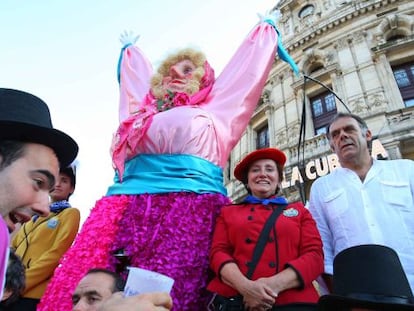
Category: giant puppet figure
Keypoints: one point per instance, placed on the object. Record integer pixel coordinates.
(177, 129)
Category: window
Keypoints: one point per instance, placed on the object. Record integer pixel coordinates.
(404, 75)
(315, 67)
(323, 109)
(321, 130)
(306, 11)
(262, 138)
(396, 37)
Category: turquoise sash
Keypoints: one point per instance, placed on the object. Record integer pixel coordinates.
(165, 173)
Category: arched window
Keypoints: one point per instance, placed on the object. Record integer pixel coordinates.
(315, 67)
(396, 37)
(307, 10)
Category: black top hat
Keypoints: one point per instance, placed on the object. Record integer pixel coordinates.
(25, 117)
(368, 276)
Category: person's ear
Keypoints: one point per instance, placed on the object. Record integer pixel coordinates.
(331, 146)
(6, 294)
(368, 135)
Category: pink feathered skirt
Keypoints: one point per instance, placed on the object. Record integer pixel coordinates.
(168, 233)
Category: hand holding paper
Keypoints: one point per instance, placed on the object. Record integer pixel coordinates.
(141, 281)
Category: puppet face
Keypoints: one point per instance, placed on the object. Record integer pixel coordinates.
(186, 71)
(180, 78)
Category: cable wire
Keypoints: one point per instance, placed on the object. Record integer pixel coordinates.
(302, 135)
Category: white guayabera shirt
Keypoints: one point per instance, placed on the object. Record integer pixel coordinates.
(379, 210)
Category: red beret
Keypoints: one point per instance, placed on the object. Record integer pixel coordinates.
(274, 154)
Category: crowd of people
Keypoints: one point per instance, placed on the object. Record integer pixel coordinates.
(168, 212)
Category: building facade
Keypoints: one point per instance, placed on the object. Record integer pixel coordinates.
(356, 56)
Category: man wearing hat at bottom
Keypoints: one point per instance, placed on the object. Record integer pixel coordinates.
(368, 277)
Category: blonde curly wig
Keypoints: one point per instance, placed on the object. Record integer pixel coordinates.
(196, 57)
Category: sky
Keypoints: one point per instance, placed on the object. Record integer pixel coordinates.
(66, 53)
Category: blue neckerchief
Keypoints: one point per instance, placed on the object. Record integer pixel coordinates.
(55, 207)
(276, 200)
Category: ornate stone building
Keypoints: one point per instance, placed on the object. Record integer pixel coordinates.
(362, 51)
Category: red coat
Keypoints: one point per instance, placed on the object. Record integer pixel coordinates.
(297, 245)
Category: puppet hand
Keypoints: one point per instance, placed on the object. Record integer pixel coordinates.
(270, 17)
(128, 38)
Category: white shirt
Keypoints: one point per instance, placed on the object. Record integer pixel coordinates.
(379, 210)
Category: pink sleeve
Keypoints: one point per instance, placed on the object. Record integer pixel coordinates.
(4, 253)
(135, 74)
(237, 90)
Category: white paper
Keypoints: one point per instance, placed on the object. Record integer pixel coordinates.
(144, 281)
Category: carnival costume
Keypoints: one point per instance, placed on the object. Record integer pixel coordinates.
(169, 157)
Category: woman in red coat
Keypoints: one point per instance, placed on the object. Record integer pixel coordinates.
(292, 256)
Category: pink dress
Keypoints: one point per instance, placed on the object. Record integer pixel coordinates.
(4, 253)
(163, 212)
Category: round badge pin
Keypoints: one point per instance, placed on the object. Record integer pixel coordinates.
(291, 212)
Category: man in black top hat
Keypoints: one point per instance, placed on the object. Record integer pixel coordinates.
(31, 152)
(368, 277)
(42, 241)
